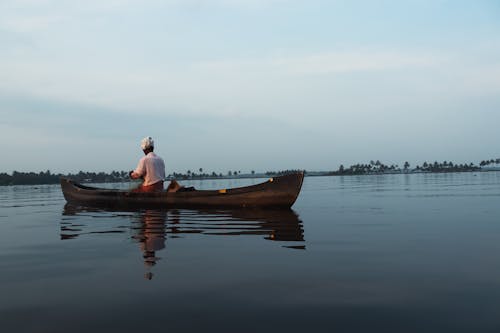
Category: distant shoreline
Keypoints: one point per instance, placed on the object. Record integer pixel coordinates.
(50, 179)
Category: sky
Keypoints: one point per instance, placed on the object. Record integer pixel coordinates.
(247, 84)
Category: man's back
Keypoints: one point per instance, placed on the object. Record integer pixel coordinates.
(152, 168)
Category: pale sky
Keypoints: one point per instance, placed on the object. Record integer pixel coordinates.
(247, 84)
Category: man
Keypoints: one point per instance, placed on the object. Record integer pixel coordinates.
(151, 168)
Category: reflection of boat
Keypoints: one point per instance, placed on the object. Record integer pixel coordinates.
(150, 227)
(276, 192)
(277, 225)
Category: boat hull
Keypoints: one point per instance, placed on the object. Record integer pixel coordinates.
(278, 192)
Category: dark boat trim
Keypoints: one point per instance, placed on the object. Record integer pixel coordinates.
(279, 192)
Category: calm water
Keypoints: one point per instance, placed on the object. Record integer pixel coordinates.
(394, 253)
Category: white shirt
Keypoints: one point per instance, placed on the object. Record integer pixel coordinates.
(152, 168)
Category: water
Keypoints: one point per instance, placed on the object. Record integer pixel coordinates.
(392, 253)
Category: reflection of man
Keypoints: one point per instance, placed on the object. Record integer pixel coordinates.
(151, 237)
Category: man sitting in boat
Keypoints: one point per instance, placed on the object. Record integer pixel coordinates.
(151, 168)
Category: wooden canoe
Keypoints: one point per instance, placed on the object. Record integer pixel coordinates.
(277, 192)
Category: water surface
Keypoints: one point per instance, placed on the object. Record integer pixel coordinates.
(391, 253)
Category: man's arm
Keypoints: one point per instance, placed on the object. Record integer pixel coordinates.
(134, 175)
(139, 171)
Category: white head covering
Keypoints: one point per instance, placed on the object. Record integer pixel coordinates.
(147, 143)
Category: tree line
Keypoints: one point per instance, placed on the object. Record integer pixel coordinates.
(489, 162)
(281, 172)
(436, 167)
(46, 177)
(373, 167)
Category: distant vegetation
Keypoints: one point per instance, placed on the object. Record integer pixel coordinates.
(380, 168)
(373, 167)
(489, 162)
(46, 177)
(280, 173)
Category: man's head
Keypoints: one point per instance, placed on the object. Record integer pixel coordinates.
(147, 144)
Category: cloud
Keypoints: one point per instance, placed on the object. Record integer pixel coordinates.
(215, 86)
(32, 23)
(72, 56)
(326, 63)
